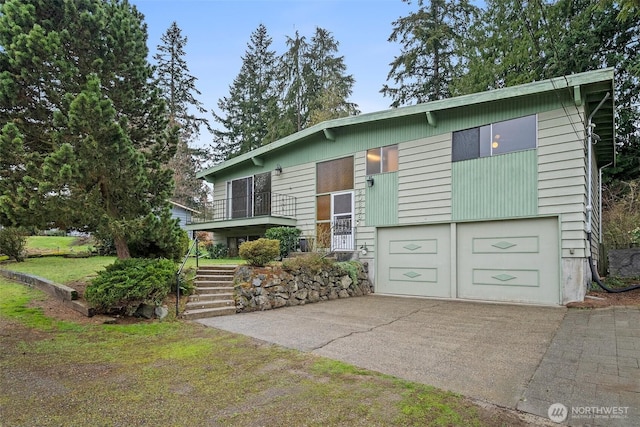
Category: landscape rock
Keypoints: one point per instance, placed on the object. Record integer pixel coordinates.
(265, 288)
(161, 312)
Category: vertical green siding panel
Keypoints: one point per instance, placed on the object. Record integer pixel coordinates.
(503, 186)
(382, 200)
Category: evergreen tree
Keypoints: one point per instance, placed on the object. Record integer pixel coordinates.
(294, 69)
(544, 40)
(430, 59)
(179, 91)
(74, 82)
(250, 111)
(328, 86)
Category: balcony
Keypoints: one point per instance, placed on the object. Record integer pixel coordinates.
(268, 208)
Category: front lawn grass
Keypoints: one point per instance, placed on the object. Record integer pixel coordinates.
(184, 374)
(61, 270)
(55, 245)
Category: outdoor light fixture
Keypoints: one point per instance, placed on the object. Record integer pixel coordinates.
(369, 181)
(364, 250)
(278, 169)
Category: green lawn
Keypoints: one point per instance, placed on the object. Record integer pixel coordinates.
(55, 245)
(61, 270)
(178, 373)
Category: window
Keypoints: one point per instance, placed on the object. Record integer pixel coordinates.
(494, 139)
(335, 204)
(335, 175)
(382, 159)
(250, 196)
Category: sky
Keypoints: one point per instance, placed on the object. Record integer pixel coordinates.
(218, 31)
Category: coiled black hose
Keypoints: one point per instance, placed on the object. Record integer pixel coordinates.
(596, 278)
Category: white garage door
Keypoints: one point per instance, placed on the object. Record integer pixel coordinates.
(509, 261)
(415, 260)
(513, 261)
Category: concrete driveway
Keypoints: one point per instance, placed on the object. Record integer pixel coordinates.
(481, 350)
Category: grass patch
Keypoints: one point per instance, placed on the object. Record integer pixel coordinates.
(181, 373)
(13, 304)
(56, 245)
(62, 270)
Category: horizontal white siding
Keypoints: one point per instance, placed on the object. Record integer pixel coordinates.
(425, 180)
(300, 182)
(562, 175)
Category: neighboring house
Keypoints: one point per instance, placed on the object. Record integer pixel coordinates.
(489, 196)
(184, 214)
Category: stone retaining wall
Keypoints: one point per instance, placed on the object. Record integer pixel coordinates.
(624, 262)
(265, 288)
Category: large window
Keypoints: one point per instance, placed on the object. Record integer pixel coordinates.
(494, 139)
(250, 196)
(382, 159)
(335, 175)
(335, 204)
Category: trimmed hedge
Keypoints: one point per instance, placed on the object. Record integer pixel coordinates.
(260, 252)
(125, 284)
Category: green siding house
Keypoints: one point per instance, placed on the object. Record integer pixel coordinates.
(490, 196)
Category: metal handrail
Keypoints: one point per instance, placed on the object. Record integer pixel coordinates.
(248, 206)
(184, 262)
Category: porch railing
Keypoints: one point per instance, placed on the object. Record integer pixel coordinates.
(259, 204)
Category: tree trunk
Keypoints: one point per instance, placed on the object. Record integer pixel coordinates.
(122, 249)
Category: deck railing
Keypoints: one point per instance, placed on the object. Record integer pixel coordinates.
(259, 204)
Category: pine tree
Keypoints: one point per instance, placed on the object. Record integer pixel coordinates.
(248, 114)
(430, 60)
(179, 91)
(329, 86)
(74, 82)
(294, 68)
(316, 86)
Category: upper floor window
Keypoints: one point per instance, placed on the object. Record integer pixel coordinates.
(334, 175)
(382, 159)
(494, 139)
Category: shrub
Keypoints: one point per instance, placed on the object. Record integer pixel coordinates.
(260, 252)
(352, 268)
(217, 251)
(126, 284)
(13, 242)
(288, 237)
(312, 262)
(160, 237)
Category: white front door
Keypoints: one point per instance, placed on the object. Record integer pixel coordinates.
(342, 233)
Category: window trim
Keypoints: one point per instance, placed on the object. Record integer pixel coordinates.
(381, 161)
(485, 146)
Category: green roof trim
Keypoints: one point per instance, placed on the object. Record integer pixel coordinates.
(589, 87)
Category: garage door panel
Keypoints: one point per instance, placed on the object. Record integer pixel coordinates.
(506, 245)
(416, 275)
(412, 247)
(414, 261)
(526, 278)
(515, 260)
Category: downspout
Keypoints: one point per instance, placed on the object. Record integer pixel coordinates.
(590, 137)
(600, 201)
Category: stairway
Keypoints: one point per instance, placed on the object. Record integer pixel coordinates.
(214, 293)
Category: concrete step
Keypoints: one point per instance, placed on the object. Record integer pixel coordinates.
(213, 290)
(219, 277)
(226, 268)
(208, 312)
(204, 284)
(211, 297)
(198, 305)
